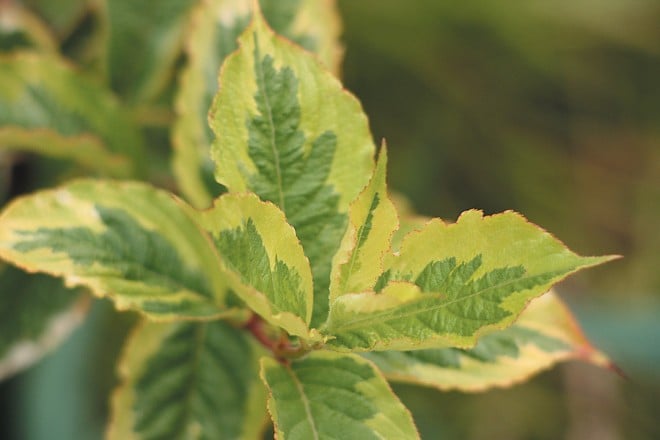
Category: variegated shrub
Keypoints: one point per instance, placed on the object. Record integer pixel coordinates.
(286, 283)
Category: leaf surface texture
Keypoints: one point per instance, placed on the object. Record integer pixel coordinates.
(125, 240)
(189, 380)
(332, 395)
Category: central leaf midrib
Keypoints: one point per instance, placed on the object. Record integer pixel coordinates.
(305, 401)
(200, 336)
(382, 316)
(271, 280)
(273, 143)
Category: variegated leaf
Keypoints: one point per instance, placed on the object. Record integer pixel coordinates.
(126, 240)
(189, 380)
(332, 395)
(37, 313)
(63, 16)
(86, 150)
(372, 222)
(546, 333)
(20, 30)
(287, 131)
(215, 27)
(450, 284)
(47, 106)
(262, 259)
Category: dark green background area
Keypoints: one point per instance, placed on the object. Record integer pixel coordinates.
(548, 108)
(554, 112)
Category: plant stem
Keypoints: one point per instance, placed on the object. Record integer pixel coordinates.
(282, 348)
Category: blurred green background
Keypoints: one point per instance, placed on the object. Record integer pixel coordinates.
(548, 108)
(551, 109)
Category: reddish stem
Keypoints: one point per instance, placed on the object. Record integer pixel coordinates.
(255, 326)
(281, 348)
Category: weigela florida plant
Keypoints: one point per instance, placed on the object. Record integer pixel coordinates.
(300, 292)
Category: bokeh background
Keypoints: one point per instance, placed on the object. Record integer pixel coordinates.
(551, 109)
(548, 108)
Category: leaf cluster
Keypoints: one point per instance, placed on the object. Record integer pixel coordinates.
(282, 261)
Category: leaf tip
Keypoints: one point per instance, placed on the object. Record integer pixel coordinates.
(592, 261)
(616, 369)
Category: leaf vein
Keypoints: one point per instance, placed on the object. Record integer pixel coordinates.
(360, 322)
(271, 123)
(305, 401)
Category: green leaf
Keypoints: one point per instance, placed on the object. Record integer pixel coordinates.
(545, 333)
(20, 30)
(189, 380)
(36, 313)
(216, 25)
(44, 96)
(373, 220)
(450, 284)
(143, 44)
(287, 131)
(63, 15)
(332, 395)
(85, 150)
(262, 258)
(126, 240)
